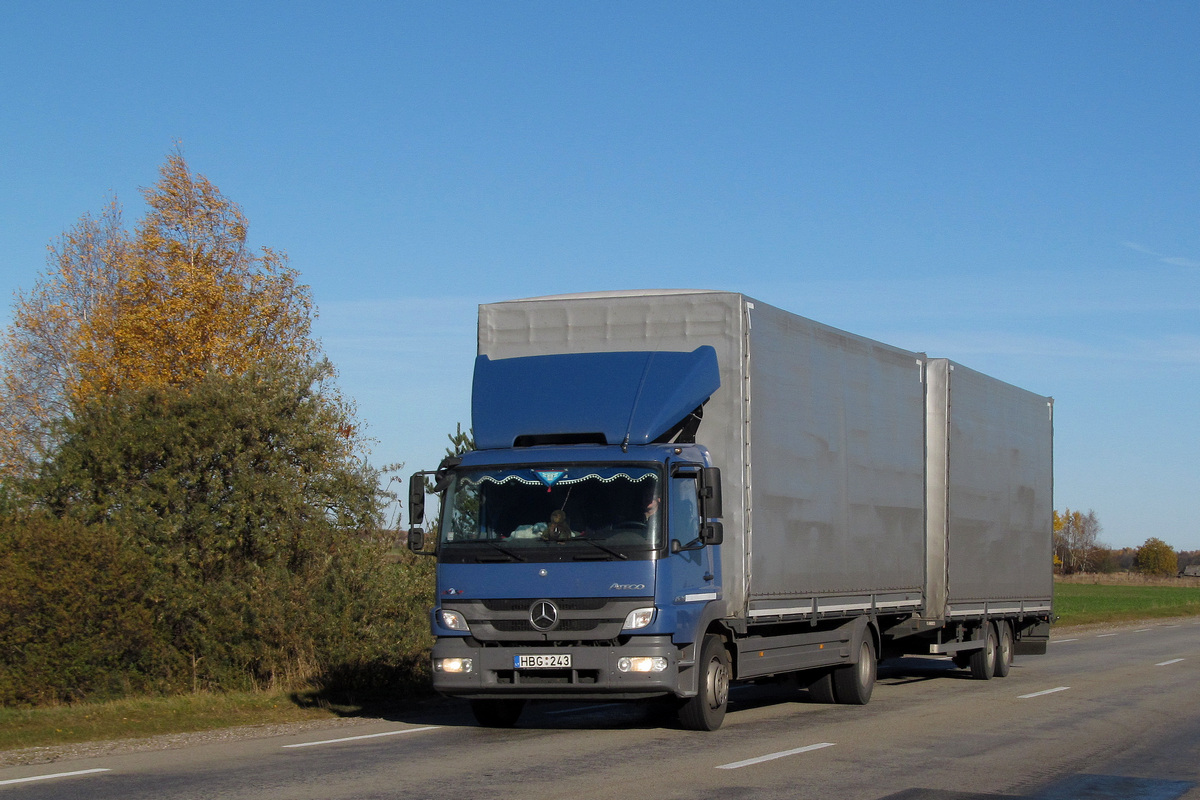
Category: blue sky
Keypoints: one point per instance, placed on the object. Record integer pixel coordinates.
(1015, 186)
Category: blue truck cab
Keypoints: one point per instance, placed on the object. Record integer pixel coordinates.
(578, 544)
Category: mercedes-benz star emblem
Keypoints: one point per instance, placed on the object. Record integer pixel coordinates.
(543, 615)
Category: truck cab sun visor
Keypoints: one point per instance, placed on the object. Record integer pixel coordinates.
(629, 398)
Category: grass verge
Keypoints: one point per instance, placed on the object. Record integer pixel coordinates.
(150, 716)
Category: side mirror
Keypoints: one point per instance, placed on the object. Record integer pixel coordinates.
(416, 540)
(710, 493)
(710, 533)
(416, 499)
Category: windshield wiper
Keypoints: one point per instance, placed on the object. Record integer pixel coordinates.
(511, 555)
(609, 550)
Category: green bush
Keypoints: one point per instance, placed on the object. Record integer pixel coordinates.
(73, 621)
(378, 645)
(222, 538)
(76, 622)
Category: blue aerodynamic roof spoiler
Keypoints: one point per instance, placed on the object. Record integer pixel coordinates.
(627, 398)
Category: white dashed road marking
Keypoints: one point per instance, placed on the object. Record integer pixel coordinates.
(364, 736)
(773, 756)
(11, 781)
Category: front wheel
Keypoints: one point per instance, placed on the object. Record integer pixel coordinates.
(853, 683)
(706, 711)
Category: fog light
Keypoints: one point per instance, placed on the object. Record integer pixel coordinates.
(642, 664)
(453, 665)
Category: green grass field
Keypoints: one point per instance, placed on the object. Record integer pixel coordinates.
(1089, 603)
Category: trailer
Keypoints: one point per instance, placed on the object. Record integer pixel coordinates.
(675, 490)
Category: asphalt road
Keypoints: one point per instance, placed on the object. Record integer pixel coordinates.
(1109, 714)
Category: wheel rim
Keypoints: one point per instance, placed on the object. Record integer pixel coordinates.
(1004, 653)
(866, 666)
(718, 683)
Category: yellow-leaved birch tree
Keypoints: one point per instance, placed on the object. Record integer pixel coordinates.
(181, 296)
(50, 325)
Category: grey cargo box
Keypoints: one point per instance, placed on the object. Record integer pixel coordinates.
(990, 495)
(857, 476)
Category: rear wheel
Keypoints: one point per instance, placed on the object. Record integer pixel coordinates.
(706, 711)
(983, 660)
(502, 713)
(1004, 648)
(853, 683)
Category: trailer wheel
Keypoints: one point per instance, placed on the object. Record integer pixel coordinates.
(501, 713)
(853, 683)
(821, 689)
(706, 711)
(1004, 649)
(983, 660)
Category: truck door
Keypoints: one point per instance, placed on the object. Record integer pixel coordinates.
(689, 581)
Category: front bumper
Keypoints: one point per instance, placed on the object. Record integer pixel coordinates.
(593, 674)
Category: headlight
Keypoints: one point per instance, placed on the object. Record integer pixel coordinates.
(638, 618)
(458, 665)
(642, 664)
(453, 620)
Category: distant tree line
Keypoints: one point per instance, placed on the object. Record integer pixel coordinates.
(1077, 548)
(185, 499)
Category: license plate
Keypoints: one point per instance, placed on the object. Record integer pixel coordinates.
(552, 661)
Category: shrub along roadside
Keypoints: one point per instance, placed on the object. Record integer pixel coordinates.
(383, 674)
(224, 538)
(79, 623)
(73, 614)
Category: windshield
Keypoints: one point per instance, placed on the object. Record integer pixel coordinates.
(561, 513)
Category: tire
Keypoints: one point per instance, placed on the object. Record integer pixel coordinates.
(501, 713)
(706, 711)
(821, 689)
(853, 683)
(983, 660)
(1004, 648)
